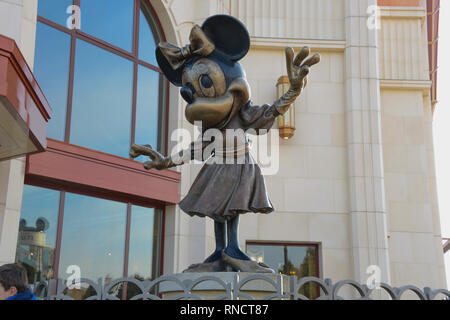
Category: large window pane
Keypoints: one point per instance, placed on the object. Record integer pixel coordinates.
(147, 108)
(145, 246)
(37, 232)
(147, 45)
(299, 260)
(55, 10)
(51, 68)
(144, 243)
(111, 21)
(93, 238)
(101, 109)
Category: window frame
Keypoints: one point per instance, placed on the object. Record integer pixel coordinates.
(159, 215)
(132, 56)
(45, 170)
(316, 245)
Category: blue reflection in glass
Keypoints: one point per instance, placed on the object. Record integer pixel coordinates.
(141, 242)
(111, 21)
(36, 246)
(147, 109)
(51, 68)
(101, 109)
(93, 237)
(147, 45)
(55, 10)
(289, 260)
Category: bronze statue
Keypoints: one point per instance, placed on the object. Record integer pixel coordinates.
(214, 85)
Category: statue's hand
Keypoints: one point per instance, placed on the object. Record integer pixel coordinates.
(158, 160)
(298, 68)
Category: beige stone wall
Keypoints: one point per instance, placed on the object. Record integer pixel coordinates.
(337, 184)
(310, 191)
(17, 21)
(416, 253)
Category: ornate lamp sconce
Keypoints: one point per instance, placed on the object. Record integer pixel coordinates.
(286, 122)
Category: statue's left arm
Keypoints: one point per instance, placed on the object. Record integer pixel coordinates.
(262, 117)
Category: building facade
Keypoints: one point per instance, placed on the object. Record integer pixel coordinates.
(355, 186)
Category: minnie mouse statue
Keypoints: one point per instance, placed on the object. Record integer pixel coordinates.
(214, 85)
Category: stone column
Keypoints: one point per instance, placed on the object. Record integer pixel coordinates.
(363, 113)
(17, 21)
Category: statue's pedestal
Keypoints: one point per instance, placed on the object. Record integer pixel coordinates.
(223, 285)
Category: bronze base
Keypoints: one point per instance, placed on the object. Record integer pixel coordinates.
(229, 264)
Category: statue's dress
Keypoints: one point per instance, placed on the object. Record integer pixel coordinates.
(222, 191)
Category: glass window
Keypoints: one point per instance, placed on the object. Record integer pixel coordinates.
(144, 243)
(102, 83)
(147, 44)
(93, 238)
(52, 56)
(299, 260)
(111, 21)
(147, 107)
(55, 10)
(101, 117)
(37, 233)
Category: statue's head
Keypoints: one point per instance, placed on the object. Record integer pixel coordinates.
(212, 80)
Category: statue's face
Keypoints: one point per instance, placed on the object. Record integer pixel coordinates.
(214, 91)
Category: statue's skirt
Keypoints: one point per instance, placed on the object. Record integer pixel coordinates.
(223, 191)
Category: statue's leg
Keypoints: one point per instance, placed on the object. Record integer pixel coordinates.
(220, 232)
(232, 248)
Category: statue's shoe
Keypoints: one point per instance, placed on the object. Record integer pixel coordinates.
(216, 266)
(246, 265)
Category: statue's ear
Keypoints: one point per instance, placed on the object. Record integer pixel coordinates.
(229, 35)
(174, 76)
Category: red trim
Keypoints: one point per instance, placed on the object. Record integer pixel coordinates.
(402, 3)
(95, 173)
(73, 44)
(127, 241)
(163, 234)
(10, 51)
(22, 97)
(62, 198)
(127, 252)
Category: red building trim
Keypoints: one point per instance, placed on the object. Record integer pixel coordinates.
(76, 169)
(22, 96)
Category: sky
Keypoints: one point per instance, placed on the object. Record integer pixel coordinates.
(441, 127)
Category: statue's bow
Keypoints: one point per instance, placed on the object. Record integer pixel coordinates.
(199, 45)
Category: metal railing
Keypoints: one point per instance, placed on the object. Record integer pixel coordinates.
(233, 290)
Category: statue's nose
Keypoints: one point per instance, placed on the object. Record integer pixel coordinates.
(187, 92)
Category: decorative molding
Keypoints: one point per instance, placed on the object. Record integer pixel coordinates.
(77, 169)
(403, 12)
(314, 44)
(303, 19)
(403, 49)
(423, 85)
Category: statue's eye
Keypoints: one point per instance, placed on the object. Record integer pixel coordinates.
(206, 81)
